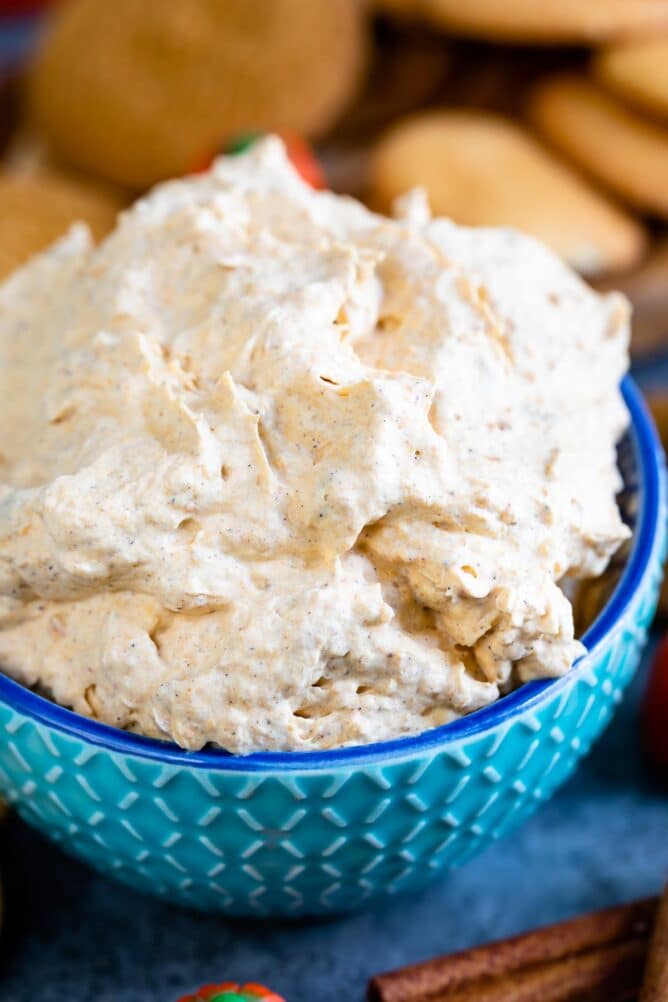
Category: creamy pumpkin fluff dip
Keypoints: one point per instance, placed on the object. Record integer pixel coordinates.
(281, 473)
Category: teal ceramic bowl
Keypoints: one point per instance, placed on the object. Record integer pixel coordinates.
(319, 832)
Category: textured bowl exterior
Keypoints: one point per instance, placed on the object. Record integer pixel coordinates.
(325, 832)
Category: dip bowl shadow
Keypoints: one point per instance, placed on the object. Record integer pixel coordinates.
(324, 832)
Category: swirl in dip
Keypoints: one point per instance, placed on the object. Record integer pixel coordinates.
(281, 473)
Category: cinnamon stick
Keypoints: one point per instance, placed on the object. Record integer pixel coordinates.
(603, 975)
(655, 984)
(585, 949)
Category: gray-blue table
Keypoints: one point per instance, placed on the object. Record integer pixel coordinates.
(72, 936)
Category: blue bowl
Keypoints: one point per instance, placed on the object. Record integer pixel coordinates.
(318, 832)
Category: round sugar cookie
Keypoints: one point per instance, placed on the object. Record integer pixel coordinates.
(637, 71)
(481, 169)
(137, 90)
(539, 20)
(36, 209)
(621, 149)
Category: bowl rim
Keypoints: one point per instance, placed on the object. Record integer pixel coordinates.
(651, 487)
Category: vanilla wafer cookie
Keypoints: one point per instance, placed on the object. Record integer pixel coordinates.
(638, 72)
(544, 21)
(138, 90)
(482, 169)
(613, 143)
(36, 209)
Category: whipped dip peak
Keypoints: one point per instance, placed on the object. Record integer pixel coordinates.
(277, 472)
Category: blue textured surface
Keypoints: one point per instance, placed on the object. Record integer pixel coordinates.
(332, 831)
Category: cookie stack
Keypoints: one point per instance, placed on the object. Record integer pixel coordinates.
(586, 154)
(550, 117)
